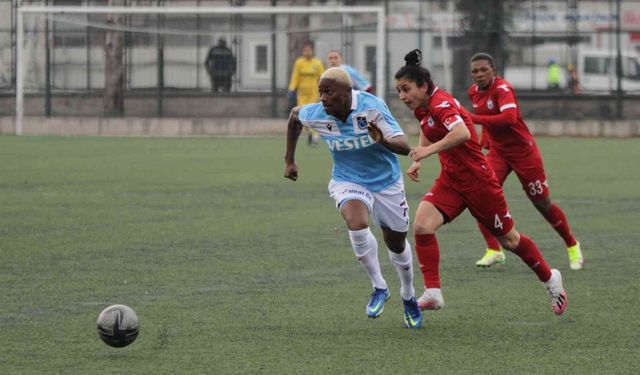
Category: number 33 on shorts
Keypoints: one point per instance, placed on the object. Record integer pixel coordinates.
(537, 188)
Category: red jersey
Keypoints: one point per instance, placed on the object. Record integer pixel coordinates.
(463, 167)
(498, 111)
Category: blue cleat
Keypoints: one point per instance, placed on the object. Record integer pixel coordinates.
(412, 314)
(376, 304)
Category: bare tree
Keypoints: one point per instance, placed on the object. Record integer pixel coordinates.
(298, 27)
(486, 23)
(114, 68)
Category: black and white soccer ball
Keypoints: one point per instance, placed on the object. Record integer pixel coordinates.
(118, 325)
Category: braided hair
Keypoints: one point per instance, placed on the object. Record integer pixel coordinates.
(413, 70)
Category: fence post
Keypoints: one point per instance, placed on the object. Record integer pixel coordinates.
(160, 101)
(274, 96)
(48, 65)
(619, 109)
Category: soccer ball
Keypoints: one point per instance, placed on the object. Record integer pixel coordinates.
(118, 325)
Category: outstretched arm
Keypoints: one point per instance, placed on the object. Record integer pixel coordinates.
(506, 118)
(294, 128)
(456, 136)
(397, 144)
(414, 170)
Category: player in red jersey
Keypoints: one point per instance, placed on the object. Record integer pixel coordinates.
(466, 181)
(512, 148)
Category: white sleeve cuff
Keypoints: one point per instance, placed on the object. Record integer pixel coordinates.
(507, 106)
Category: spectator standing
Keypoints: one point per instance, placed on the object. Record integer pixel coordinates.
(553, 75)
(221, 66)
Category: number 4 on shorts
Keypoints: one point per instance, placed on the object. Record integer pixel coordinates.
(497, 223)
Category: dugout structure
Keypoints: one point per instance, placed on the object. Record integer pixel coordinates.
(53, 11)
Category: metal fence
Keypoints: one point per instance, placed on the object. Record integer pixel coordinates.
(595, 43)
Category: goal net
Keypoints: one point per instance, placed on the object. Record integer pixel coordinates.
(165, 61)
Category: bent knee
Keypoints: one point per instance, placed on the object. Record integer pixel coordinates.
(395, 241)
(428, 219)
(428, 227)
(396, 247)
(356, 224)
(542, 205)
(510, 241)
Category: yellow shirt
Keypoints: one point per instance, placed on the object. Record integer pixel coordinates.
(304, 80)
(554, 74)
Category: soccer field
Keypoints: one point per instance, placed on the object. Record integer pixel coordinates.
(235, 270)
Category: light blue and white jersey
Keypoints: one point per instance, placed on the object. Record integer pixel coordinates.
(356, 157)
(358, 82)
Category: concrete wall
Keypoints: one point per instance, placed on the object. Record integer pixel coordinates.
(183, 127)
(201, 105)
(194, 105)
(546, 106)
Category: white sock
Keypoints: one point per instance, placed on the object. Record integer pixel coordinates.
(365, 247)
(403, 263)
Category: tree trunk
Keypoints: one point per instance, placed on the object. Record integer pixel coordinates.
(486, 23)
(114, 68)
(299, 34)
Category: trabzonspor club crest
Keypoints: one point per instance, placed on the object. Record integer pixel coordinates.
(429, 121)
(490, 104)
(361, 121)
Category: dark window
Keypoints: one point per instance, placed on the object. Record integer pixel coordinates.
(261, 59)
(632, 69)
(596, 65)
(370, 59)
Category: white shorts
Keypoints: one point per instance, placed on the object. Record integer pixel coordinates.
(388, 207)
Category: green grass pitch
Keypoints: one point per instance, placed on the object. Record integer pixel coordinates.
(235, 270)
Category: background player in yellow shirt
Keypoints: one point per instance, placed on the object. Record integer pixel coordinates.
(304, 82)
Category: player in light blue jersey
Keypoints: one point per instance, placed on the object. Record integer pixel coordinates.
(358, 82)
(363, 138)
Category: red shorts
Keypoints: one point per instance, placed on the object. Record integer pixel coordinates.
(487, 205)
(528, 168)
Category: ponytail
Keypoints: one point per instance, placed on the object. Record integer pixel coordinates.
(413, 70)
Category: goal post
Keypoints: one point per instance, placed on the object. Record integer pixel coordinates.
(49, 11)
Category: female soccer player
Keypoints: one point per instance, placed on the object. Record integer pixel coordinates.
(363, 138)
(466, 181)
(357, 80)
(512, 148)
(303, 85)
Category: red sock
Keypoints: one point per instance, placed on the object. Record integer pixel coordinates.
(529, 253)
(559, 222)
(492, 241)
(429, 258)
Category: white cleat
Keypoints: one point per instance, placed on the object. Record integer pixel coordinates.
(557, 295)
(431, 299)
